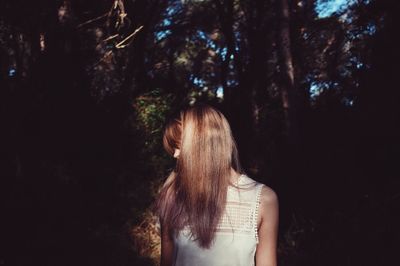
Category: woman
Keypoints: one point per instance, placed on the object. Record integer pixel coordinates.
(210, 212)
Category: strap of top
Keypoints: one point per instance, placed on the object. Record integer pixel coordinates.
(255, 216)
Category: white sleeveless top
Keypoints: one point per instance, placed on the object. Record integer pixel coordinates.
(236, 235)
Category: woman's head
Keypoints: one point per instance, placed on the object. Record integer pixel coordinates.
(201, 129)
(207, 155)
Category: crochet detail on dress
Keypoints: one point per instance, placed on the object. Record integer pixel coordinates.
(237, 218)
(241, 211)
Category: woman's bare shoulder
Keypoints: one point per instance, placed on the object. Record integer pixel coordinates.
(268, 196)
(268, 206)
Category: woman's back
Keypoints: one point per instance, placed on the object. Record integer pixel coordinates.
(236, 235)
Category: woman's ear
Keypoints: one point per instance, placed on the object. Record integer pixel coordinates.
(176, 153)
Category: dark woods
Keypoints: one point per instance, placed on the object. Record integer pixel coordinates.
(86, 87)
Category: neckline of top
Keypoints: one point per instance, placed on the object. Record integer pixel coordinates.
(239, 179)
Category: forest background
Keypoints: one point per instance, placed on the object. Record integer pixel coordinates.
(309, 87)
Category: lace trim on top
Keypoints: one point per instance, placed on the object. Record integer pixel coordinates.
(259, 188)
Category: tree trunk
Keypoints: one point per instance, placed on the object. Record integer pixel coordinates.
(286, 67)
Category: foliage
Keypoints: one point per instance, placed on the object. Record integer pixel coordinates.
(151, 109)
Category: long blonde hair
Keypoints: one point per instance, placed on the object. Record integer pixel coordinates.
(195, 193)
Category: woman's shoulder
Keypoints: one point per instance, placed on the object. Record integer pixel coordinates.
(268, 203)
(268, 195)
